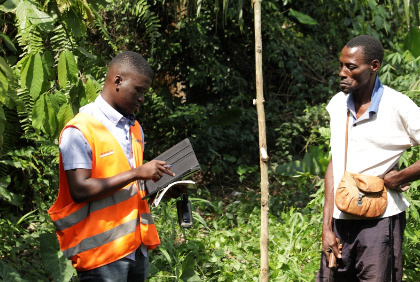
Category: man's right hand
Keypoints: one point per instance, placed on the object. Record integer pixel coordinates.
(153, 170)
(330, 243)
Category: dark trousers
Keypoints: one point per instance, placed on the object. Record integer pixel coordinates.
(120, 270)
(372, 250)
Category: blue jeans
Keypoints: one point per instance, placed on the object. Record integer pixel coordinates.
(120, 270)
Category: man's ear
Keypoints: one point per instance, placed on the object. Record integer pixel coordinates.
(375, 65)
(117, 80)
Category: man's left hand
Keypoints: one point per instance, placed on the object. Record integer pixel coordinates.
(391, 181)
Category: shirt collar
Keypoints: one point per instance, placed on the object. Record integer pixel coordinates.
(112, 114)
(378, 91)
(131, 119)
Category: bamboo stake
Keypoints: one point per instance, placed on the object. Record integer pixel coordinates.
(262, 142)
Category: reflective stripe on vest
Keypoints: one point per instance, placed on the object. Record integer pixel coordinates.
(108, 236)
(90, 207)
(96, 233)
(102, 238)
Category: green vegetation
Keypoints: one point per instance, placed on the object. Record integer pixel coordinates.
(53, 57)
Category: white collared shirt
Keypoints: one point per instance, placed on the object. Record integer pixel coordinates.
(75, 150)
(376, 144)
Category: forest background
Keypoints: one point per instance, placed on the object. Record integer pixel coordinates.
(54, 57)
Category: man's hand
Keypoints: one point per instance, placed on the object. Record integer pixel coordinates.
(85, 188)
(153, 170)
(391, 181)
(329, 241)
(330, 244)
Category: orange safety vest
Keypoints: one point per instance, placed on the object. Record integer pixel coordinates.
(99, 232)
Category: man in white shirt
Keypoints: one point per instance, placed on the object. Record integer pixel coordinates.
(383, 124)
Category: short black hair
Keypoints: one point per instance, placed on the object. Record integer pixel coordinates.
(372, 47)
(133, 61)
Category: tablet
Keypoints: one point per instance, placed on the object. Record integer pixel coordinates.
(184, 164)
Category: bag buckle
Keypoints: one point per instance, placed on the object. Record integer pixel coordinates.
(359, 199)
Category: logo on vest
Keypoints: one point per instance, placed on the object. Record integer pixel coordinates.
(138, 140)
(106, 154)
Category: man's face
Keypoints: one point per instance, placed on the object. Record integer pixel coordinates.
(354, 72)
(131, 89)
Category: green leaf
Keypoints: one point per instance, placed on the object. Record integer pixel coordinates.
(67, 69)
(188, 273)
(62, 70)
(289, 169)
(102, 27)
(414, 213)
(4, 85)
(48, 61)
(38, 77)
(229, 158)
(166, 254)
(32, 74)
(90, 90)
(75, 23)
(8, 273)
(72, 70)
(4, 66)
(303, 18)
(8, 42)
(9, 5)
(325, 132)
(310, 162)
(2, 121)
(65, 114)
(59, 266)
(40, 19)
(10, 197)
(43, 115)
(200, 219)
(6, 76)
(77, 93)
(56, 100)
(86, 53)
(60, 97)
(22, 11)
(412, 41)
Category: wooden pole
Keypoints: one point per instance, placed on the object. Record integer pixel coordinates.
(262, 142)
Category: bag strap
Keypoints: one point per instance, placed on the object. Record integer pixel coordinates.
(347, 140)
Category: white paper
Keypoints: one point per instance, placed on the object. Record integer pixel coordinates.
(161, 193)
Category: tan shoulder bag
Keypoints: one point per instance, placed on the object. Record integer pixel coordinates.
(359, 194)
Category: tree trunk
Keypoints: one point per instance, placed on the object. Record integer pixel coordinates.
(262, 140)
